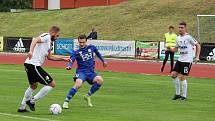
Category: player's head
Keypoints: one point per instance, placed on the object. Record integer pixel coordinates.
(182, 28)
(93, 29)
(82, 40)
(171, 28)
(54, 32)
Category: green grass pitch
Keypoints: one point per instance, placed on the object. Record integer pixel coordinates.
(123, 97)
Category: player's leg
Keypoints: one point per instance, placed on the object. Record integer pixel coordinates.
(185, 72)
(44, 78)
(172, 60)
(176, 80)
(165, 60)
(96, 84)
(43, 91)
(27, 96)
(74, 89)
(29, 91)
(184, 87)
(79, 79)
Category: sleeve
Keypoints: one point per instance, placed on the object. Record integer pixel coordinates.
(72, 60)
(98, 54)
(192, 40)
(45, 37)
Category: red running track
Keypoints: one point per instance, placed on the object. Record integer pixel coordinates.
(130, 66)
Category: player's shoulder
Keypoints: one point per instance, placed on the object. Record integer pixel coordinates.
(178, 37)
(45, 35)
(76, 51)
(91, 46)
(187, 35)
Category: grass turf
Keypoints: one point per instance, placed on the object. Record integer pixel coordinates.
(124, 97)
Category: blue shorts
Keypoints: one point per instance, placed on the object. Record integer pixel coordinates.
(85, 76)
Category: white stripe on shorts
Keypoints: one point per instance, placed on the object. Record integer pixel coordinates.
(40, 75)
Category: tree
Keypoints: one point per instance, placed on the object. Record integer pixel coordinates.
(6, 5)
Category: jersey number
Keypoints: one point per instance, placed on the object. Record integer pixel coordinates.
(186, 69)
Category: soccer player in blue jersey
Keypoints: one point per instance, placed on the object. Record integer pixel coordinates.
(85, 70)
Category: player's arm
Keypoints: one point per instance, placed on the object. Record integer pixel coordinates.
(198, 49)
(32, 46)
(71, 61)
(100, 57)
(57, 58)
(193, 41)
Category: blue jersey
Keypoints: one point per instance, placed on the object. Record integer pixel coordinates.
(85, 58)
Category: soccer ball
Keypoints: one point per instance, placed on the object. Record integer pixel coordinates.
(55, 109)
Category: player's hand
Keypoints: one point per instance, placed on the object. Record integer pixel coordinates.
(66, 59)
(30, 54)
(68, 68)
(105, 64)
(197, 60)
(172, 49)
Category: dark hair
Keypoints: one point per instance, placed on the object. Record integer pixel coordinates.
(82, 36)
(171, 27)
(183, 23)
(54, 29)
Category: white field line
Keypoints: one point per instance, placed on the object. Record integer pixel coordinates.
(27, 117)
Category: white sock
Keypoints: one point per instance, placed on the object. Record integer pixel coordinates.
(43, 91)
(177, 86)
(27, 96)
(184, 88)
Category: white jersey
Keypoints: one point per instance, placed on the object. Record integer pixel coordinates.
(41, 50)
(186, 45)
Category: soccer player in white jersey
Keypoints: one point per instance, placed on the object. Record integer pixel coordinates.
(40, 48)
(184, 44)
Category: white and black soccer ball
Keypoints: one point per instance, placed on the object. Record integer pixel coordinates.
(55, 109)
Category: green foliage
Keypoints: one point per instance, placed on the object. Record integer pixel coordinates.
(6, 5)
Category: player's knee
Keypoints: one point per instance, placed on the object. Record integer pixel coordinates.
(99, 80)
(78, 83)
(183, 77)
(52, 84)
(173, 75)
(34, 86)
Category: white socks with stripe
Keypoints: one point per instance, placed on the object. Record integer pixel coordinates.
(43, 91)
(184, 88)
(27, 96)
(177, 86)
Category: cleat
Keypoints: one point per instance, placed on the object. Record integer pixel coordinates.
(22, 110)
(31, 105)
(183, 98)
(65, 105)
(87, 98)
(176, 97)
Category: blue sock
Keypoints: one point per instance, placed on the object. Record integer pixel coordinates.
(71, 93)
(94, 88)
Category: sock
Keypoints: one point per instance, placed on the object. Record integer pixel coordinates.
(71, 93)
(26, 97)
(184, 88)
(177, 86)
(93, 89)
(43, 91)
